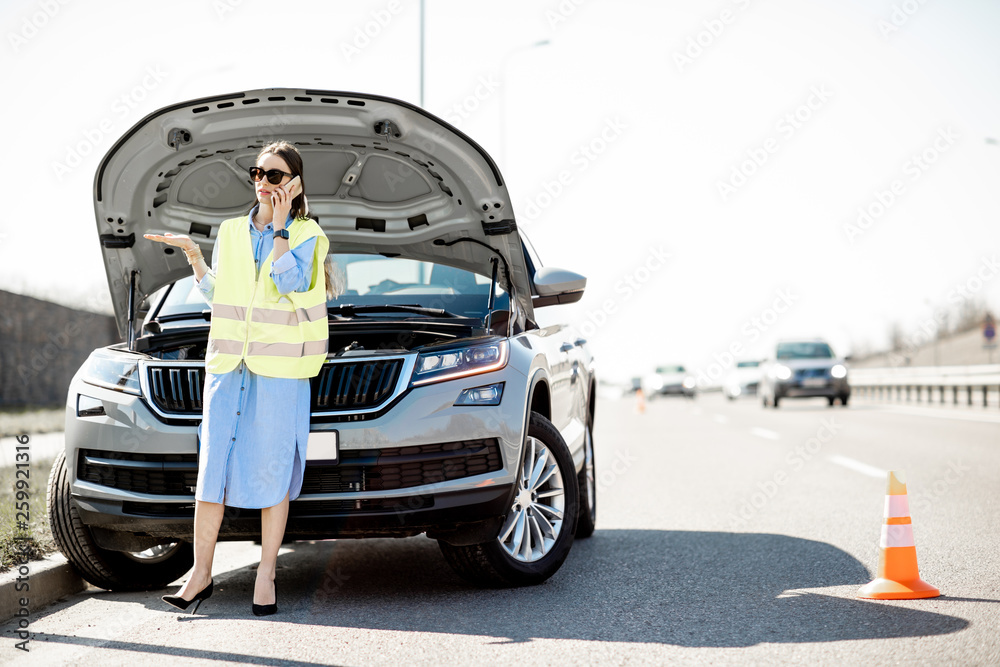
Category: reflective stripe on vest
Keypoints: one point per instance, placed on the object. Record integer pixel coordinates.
(278, 335)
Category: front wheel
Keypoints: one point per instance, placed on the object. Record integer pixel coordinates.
(539, 528)
(114, 570)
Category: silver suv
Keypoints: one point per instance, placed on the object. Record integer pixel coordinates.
(804, 369)
(442, 407)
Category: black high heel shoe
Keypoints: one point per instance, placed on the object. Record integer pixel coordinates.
(181, 603)
(266, 609)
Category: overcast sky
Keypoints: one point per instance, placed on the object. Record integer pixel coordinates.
(724, 173)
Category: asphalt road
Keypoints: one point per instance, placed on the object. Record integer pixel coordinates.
(727, 534)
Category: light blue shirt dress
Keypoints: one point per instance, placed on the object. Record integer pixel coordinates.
(254, 429)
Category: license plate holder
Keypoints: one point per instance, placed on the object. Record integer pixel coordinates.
(814, 382)
(323, 447)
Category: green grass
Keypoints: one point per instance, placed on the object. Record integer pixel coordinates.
(39, 538)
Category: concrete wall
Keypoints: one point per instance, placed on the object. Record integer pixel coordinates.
(41, 346)
(964, 349)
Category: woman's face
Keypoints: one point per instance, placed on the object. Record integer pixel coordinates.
(263, 187)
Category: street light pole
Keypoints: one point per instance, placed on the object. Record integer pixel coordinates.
(421, 54)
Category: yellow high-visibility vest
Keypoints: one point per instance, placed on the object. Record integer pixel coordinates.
(278, 335)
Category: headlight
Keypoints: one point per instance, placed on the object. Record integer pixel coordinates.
(689, 383)
(782, 372)
(838, 371)
(107, 369)
(459, 362)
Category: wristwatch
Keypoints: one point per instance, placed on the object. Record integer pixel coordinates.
(281, 234)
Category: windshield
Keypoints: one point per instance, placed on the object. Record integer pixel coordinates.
(369, 280)
(748, 364)
(670, 369)
(804, 351)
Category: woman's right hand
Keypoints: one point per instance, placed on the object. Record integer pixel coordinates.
(179, 240)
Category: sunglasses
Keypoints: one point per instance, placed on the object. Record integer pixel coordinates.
(273, 176)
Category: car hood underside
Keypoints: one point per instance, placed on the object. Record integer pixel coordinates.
(381, 176)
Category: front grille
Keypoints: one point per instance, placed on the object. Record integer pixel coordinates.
(177, 389)
(156, 474)
(340, 386)
(359, 470)
(354, 385)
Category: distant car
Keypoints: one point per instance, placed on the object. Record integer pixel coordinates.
(667, 380)
(804, 369)
(743, 380)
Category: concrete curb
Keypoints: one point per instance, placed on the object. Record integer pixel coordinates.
(48, 580)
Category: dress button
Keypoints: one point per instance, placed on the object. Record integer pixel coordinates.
(234, 439)
(237, 413)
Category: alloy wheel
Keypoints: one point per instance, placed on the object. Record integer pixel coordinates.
(537, 515)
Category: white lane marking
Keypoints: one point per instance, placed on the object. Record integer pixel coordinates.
(857, 466)
(765, 433)
(943, 413)
(720, 419)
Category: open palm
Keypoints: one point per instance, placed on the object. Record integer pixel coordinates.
(179, 240)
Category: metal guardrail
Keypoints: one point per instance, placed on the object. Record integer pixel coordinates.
(913, 383)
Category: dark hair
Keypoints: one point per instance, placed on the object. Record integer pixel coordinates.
(290, 154)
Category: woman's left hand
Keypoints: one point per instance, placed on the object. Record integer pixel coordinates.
(281, 203)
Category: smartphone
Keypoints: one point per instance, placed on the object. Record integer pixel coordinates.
(293, 187)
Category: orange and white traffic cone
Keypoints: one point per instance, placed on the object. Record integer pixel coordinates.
(898, 578)
(640, 401)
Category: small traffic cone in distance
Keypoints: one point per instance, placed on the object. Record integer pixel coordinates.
(898, 577)
(640, 401)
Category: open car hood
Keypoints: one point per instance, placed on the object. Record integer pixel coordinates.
(380, 175)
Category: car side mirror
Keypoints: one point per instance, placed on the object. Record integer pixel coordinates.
(557, 286)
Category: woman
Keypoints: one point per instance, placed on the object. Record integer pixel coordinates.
(268, 336)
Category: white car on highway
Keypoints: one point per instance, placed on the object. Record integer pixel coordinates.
(742, 380)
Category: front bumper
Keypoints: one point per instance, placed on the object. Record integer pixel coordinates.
(829, 387)
(468, 516)
(126, 514)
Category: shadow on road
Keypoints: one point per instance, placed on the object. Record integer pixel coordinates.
(683, 588)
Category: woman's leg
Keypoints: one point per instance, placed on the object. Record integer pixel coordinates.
(207, 520)
(272, 530)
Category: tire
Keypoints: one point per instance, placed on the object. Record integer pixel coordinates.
(586, 518)
(776, 399)
(844, 399)
(491, 564)
(113, 570)
(831, 400)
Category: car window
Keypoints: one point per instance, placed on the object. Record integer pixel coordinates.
(670, 369)
(810, 350)
(748, 364)
(361, 279)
